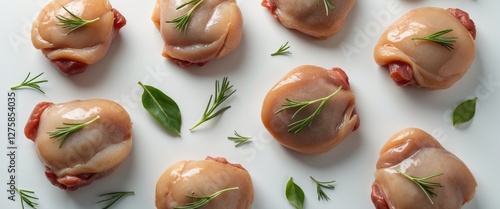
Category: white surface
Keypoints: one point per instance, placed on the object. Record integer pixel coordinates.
(135, 56)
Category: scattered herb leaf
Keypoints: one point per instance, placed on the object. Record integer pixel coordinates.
(464, 112)
(283, 50)
(426, 186)
(62, 133)
(182, 21)
(162, 108)
(294, 194)
(74, 22)
(31, 83)
(113, 197)
(27, 197)
(319, 188)
(203, 200)
(446, 42)
(239, 139)
(222, 92)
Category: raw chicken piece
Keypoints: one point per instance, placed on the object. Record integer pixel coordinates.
(89, 153)
(337, 119)
(72, 53)
(425, 63)
(415, 152)
(214, 30)
(203, 178)
(309, 16)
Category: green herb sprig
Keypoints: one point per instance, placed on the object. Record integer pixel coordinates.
(222, 92)
(319, 188)
(239, 139)
(446, 42)
(63, 132)
(283, 50)
(27, 197)
(328, 5)
(113, 197)
(31, 83)
(464, 112)
(294, 194)
(203, 200)
(182, 21)
(74, 22)
(299, 125)
(425, 185)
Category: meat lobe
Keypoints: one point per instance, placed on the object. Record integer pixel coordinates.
(88, 154)
(215, 29)
(337, 119)
(310, 16)
(72, 53)
(415, 152)
(425, 63)
(205, 177)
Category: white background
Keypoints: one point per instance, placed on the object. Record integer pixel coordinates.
(135, 56)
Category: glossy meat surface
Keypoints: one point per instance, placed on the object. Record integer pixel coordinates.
(337, 119)
(215, 29)
(432, 65)
(309, 16)
(72, 53)
(204, 177)
(417, 153)
(89, 153)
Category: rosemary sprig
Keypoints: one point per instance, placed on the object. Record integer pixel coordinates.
(328, 5)
(62, 133)
(182, 21)
(203, 200)
(31, 83)
(426, 186)
(446, 42)
(297, 126)
(222, 92)
(283, 50)
(74, 22)
(27, 197)
(319, 188)
(113, 198)
(239, 139)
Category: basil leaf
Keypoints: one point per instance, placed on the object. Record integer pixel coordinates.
(294, 194)
(162, 108)
(464, 112)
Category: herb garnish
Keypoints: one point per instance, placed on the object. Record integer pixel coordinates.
(426, 186)
(464, 112)
(446, 42)
(162, 108)
(74, 22)
(203, 200)
(294, 194)
(27, 197)
(113, 198)
(239, 139)
(222, 92)
(297, 126)
(283, 50)
(182, 21)
(319, 188)
(328, 5)
(31, 83)
(62, 133)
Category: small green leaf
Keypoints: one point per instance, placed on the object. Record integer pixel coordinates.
(162, 108)
(294, 194)
(464, 112)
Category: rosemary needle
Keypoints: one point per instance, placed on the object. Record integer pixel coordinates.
(239, 139)
(74, 22)
(328, 5)
(426, 186)
(113, 198)
(62, 133)
(31, 83)
(27, 197)
(182, 21)
(319, 188)
(203, 200)
(283, 50)
(446, 42)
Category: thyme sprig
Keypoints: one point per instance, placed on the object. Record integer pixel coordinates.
(31, 83)
(328, 5)
(203, 200)
(425, 185)
(319, 188)
(113, 197)
(446, 42)
(27, 197)
(297, 126)
(74, 22)
(222, 92)
(182, 21)
(63, 132)
(283, 50)
(239, 139)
